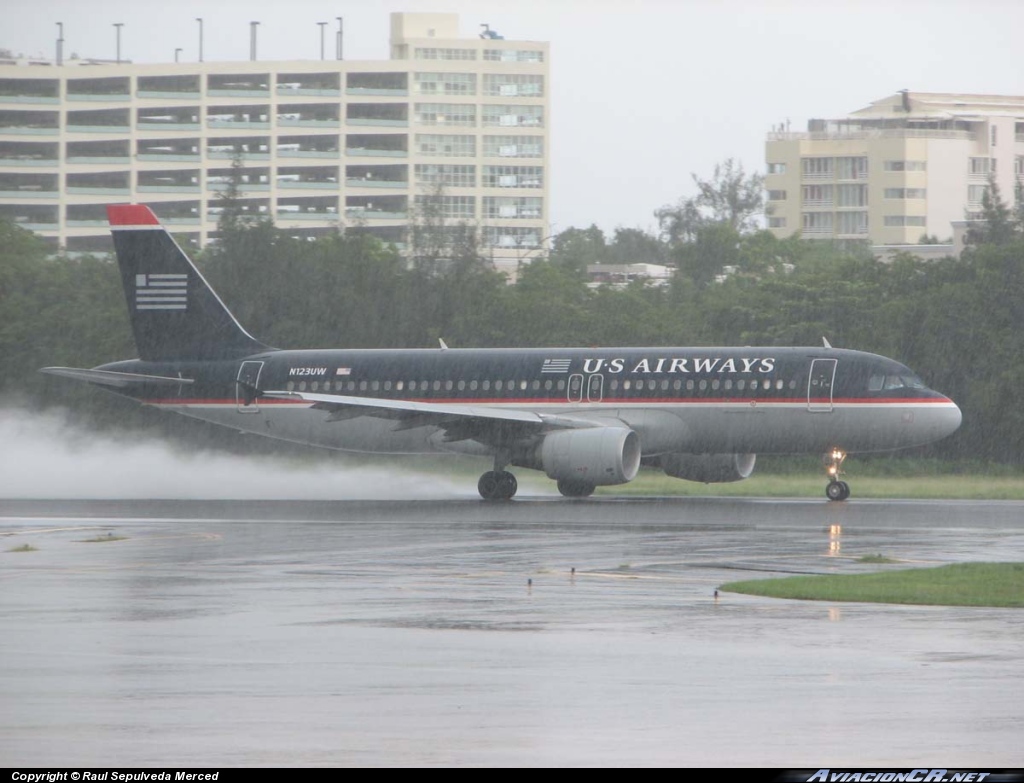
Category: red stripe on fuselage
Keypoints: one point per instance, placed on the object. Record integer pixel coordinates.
(562, 401)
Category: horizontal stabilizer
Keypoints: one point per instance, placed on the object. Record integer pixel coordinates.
(120, 380)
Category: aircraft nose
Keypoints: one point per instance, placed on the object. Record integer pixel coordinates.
(949, 418)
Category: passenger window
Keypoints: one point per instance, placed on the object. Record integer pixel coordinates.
(728, 383)
(535, 385)
(462, 385)
(437, 385)
(486, 385)
(362, 385)
(689, 385)
(448, 385)
(412, 385)
(715, 383)
(548, 385)
(741, 384)
(302, 386)
(561, 385)
(703, 385)
(677, 384)
(875, 382)
(399, 385)
(473, 385)
(314, 385)
(497, 385)
(387, 385)
(375, 385)
(291, 386)
(626, 385)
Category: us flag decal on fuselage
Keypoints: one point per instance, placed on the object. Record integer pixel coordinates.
(161, 292)
(556, 365)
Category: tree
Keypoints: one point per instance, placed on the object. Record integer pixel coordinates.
(730, 197)
(575, 248)
(997, 225)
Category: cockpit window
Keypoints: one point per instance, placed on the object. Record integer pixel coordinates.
(891, 382)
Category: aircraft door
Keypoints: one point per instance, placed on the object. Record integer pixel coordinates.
(819, 385)
(246, 387)
(575, 388)
(595, 388)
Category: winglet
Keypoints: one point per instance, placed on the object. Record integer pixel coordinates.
(444, 345)
(825, 342)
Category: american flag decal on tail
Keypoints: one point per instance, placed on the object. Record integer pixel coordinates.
(161, 292)
(560, 366)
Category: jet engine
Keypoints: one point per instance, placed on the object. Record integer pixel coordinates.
(709, 468)
(597, 455)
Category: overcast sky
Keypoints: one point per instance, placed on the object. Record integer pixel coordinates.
(643, 93)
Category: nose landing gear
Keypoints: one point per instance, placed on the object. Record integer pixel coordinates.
(836, 489)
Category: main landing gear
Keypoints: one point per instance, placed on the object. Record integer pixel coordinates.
(497, 485)
(836, 489)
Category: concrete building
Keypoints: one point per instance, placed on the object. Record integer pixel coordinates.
(323, 144)
(906, 166)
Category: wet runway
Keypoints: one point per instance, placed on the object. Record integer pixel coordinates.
(407, 633)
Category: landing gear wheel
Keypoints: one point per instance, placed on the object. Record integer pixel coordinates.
(575, 488)
(497, 485)
(837, 490)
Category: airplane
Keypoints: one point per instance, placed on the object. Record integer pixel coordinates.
(586, 417)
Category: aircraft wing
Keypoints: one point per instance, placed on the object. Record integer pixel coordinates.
(119, 380)
(496, 426)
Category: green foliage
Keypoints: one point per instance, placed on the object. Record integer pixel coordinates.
(961, 584)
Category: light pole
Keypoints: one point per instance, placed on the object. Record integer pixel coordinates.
(252, 39)
(177, 53)
(339, 39)
(118, 26)
(200, 20)
(60, 43)
(322, 25)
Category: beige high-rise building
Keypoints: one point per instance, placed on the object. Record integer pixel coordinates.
(324, 143)
(907, 166)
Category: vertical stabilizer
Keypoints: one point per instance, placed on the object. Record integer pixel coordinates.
(175, 314)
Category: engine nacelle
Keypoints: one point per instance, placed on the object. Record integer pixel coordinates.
(709, 468)
(597, 455)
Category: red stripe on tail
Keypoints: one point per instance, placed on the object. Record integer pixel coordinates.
(131, 215)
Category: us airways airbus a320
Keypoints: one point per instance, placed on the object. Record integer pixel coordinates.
(587, 417)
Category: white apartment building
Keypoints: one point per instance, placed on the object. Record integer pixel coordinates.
(325, 144)
(906, 166)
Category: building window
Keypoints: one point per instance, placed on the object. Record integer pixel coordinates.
(454, 114)
(817, 222)
(818, 168)
(852, 168)
(513, 208)
(444, 54)
(445, 174)
(817, 195)
(1018, 165)
(981, 167)
(776, 195)
(446, 146)
(514, 146)
(904, 165)
(445, 83)
(521, 84)
(852, 195)
(513, 116)
(511, 237)
(899, 221)
(975, 193)
(514, 55)
(852, 222)
(776, 222)
(458, 207)
(513, 177)
(905, 193)
(776, 168)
